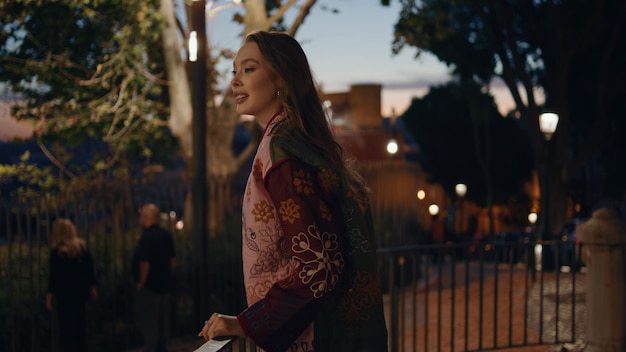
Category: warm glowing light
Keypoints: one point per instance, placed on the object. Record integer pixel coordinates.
(532, 218)
(392, 146)
(460, 189)
(433, 209)
(193, 46)
(547, 123)
(421, 194)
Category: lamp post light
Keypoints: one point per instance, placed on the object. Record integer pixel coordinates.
(461, 190)
(532, 218)
(534, 250)
(547, 124)
(198, 56)
(392, 146)
(436, 232)
(548, 121)
(433, 210)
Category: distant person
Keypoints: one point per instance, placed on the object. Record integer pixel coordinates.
(71, 283)
(309, 256)
(152, 264)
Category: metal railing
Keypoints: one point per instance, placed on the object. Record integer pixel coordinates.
(447, 297)
(439, 297)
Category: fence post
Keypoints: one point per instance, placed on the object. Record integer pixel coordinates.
(393, 296)
(604, 243)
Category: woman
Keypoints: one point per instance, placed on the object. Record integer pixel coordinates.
(308, 256)
(71, 282)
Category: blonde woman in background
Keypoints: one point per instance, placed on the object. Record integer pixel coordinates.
(71, 283)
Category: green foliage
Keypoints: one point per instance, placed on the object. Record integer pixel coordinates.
(458, 127)
(451, 31)
(92, 71)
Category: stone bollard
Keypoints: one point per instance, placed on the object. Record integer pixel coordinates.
(604, 245)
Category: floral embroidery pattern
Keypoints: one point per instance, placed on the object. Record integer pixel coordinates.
(270, 258)
(256, 292)
(318, 261)
(329, 179)
(257, 170)
(353, 305)
(248, 191)
(263, 212)
(249, 239)
(325, 213)
(302, 182)
(357, 242)
(289, 210)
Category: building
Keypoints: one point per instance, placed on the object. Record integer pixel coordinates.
(366, 136)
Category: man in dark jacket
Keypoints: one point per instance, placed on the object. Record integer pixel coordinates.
(153, 261)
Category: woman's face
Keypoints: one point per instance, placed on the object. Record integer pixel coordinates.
(254, 84)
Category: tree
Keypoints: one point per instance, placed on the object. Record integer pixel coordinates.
(571, 51)
(116, 71)
(494, 159)
(87, 76)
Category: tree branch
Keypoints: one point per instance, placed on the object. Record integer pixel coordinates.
(280, 13)
(54, 160)
(302, 14)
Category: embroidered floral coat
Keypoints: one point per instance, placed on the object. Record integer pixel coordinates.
(308, 255)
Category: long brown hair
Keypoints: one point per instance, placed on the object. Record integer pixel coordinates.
(302, 106)
(64, 237)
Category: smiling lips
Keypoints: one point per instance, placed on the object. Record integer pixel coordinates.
(240, 98)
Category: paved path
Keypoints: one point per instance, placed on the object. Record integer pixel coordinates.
(516, 319)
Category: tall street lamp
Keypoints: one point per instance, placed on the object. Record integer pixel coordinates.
(534, 250)
(393, 145)
(461, 190)
(437, 232)
(197, 56)
(548, 121)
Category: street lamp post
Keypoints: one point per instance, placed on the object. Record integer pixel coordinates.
(533, 250)
(548, 122)
(461, 190)
(392, 144)
(435, 231)
(197, 57)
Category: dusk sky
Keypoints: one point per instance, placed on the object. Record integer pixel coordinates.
(353, 46)
(350, 47)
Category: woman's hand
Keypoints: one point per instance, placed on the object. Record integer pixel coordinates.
(220, 325)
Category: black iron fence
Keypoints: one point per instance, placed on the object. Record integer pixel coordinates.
(456, 297)
(439, 297)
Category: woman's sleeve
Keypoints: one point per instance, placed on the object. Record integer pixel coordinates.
(313, 227)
